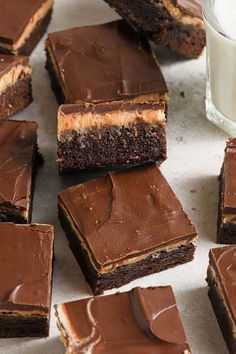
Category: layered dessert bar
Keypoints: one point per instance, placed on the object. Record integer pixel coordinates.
(110, 134)
(143, 320)
(15, 84)
(22, 24)
(222, 289)
(227, 201)
(175, 24)
(102, 63)
(126, 225)
(18, 158)
(26, 254)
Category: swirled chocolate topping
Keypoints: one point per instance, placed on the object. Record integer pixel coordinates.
(223, 260)
(126, 214)
(139, 321)
(9, 61)
(26, 267)
(105, 62)
(190, 7)
(18, 141)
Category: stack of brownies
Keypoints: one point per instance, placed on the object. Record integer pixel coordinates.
(121, 226)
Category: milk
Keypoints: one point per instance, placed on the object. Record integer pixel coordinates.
(220, 22)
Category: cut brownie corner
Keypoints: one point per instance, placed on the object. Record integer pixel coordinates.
(15, 84)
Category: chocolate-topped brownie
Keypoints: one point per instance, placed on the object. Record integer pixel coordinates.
(175, 24)
(25, 279)
(139, 321)
(110, 134)
(227, 201)
(101, 63)
(22, 24)
(222, 291)
(126, 225)
(15, 84)
(18, 157)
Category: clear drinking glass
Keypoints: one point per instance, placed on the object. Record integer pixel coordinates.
(221, 64)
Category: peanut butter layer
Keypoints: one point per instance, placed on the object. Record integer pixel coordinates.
(107, 62)
(82, 117)
(26, 268)
(96, 325)
(12, 68)
(18, 20)
(125, 215)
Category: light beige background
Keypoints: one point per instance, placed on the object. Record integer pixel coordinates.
(195, 153)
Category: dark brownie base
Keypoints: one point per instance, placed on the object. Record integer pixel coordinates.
(124, 274)
(153, 20)
(16, 97)
(226, 232)
(112, 146)
(34, 37)
(221, 315)
(23, 326)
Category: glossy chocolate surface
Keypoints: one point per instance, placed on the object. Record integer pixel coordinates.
(139, 321)
(229, 177)
(127, 213)
(105, 63)
(109, 107)
(191, 7)
(14, 16)
(26, 267)
(223, 260)
(9, 61)
(18, 141)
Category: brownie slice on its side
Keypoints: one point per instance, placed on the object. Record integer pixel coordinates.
(22, 24)
(143, 320)
(226, 232)
(175, 24)
(126, 225)
(18, 159)
(25, 279)
(110, 134)
(222, 291)
(15, 84)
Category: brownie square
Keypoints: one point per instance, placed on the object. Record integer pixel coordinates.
(226, 232)
(101, 63)
(25, 279)
(222, 291)
(143, 320)
(18, 159)
(110, 134)
(15, 84)
(175, 24)
(22, 24)
(126, 225)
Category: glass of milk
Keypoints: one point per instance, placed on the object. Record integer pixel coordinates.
(220, 23)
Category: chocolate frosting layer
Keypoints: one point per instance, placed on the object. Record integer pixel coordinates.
(191, 7)
(224, 262)
(9, 61)
(127, 213)
(18, 141)
(14, 16)
(229, 177)
(26, 267)
(105, 63)
(140, 321)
